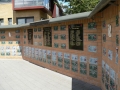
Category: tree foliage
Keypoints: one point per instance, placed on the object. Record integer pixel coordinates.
(77, 6)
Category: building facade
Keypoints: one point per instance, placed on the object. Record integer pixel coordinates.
(21, 12)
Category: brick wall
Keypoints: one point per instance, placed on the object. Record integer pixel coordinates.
(86, 53)
(10, 44)
(98, 62)
(110, 48)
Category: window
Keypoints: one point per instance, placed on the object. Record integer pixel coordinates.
(31, 3)
(1, 22)
(28, 20)
(20, 21)
(9, 21)
(25, 20)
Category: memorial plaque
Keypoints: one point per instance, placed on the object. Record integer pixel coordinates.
(117, 40)
(10, 42)
(76, 36)
(110, 54)
(56, 45)
(92, 25)
(55, 28)
(93, 67)
(103, 24)
(104, 51)
(103, 71)
(63, 27)
(63, 46)
(35, 29)
(60, 59)
(117, 20)
(24, 42)
(17, 31)
(47, 32)
(40, 43)
(63, 36)
(39, 30)
(2, 32)
(104, 37)
(83, 65)
(17, 36)
(55, 36)
(35, 36)
(24, 31)
(2, 42)
(92, 37)
(39, 36)
(17, 42)
(24, 36)
(3, 37)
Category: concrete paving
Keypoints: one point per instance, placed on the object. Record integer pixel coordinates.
(22, 75)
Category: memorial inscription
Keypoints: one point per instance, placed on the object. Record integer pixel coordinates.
(76, 36)
(47, 36)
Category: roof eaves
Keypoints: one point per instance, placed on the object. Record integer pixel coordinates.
(100, 5)
(8, 26)
(14, 26)
(70, 17)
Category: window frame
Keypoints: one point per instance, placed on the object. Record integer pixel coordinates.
(0, 21)
(24, 18)
(9, 22)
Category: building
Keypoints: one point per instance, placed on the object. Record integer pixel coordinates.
(21, 12)
(84, 45)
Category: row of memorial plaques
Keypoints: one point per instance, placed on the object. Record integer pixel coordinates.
(62, 27)
(117, 39)
(117, 22)
(10, 42)
(63, 36)
(75, 36)
(11, 50)
(63, 60)
(109, 77)
(110, 54)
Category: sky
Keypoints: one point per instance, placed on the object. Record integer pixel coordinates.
(64, 3)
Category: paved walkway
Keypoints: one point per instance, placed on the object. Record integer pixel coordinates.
(22, 75)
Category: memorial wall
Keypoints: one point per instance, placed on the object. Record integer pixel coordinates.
(71, 48)
(110, 48)
(11, 44)
(86, 49)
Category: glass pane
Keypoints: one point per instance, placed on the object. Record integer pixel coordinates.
(18, 3)
(27, 3)
(28, 20)
(1, 22)
(21, 21)
(9, 21)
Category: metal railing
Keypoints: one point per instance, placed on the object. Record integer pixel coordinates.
(29, 3)
(5, 1)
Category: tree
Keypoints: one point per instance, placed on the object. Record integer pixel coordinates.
(77, 6)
